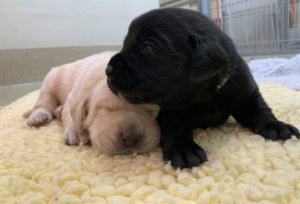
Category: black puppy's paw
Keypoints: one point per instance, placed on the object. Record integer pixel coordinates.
(277, 130)
(184, 155)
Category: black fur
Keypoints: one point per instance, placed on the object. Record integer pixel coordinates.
(182, 61)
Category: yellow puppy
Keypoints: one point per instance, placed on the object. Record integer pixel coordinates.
(77, 93)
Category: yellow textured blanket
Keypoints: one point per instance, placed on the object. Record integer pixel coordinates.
(36, 167)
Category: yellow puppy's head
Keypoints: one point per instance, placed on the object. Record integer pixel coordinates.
(116, 127)
(122, 131)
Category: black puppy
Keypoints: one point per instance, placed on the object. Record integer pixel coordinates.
(182, 61)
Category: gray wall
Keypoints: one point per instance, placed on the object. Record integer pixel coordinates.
(65, 23)
(39, 34)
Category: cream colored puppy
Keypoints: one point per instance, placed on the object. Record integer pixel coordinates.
(77, 93)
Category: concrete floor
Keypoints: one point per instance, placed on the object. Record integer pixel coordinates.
(22, 71)
(12, 92)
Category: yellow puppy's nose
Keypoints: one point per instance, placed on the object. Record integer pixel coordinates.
(130, 140)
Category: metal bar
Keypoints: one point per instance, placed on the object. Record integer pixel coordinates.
(256, 26)
(205, 6)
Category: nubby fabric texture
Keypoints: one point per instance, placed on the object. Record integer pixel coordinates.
(36, 166)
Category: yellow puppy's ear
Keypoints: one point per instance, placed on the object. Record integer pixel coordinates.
(80, 116)
(58, 112)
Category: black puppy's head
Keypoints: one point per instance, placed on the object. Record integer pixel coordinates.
(168, 55)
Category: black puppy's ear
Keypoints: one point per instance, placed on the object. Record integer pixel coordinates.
(208, 60)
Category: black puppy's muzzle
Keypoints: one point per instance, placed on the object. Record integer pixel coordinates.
(109, 71)
(120, 76)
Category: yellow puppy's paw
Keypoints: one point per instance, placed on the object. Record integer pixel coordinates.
(39, 117)
(71, 137)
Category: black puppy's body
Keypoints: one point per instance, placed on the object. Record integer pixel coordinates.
(181, 61)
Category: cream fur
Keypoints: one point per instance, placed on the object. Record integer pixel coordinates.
(77, 93)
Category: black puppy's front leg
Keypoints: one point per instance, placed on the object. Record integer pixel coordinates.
(177, 142)
(255, 114)
(250, 109)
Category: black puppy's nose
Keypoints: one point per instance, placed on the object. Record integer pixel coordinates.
(109, 70)
(131, 140)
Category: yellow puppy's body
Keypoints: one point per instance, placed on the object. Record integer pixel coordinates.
(78, 94)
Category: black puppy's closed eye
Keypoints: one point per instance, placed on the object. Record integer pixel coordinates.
(146, 47)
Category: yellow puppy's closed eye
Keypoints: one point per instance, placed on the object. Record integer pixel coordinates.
(152, 109)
